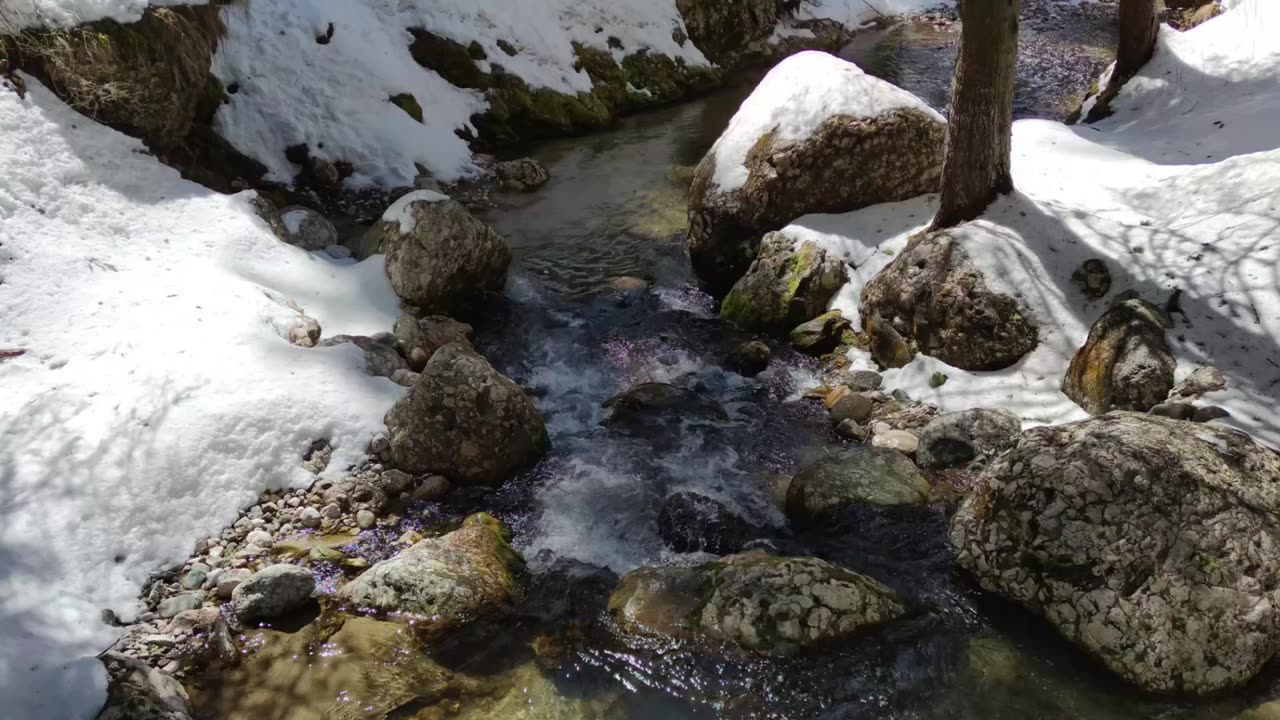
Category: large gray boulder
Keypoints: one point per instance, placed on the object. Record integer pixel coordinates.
(934, 300)
(772, 606)
(1147, 541)
(856, 475)
(449, 580)
(466, 421)
(137, 691)
(272, 592)
(1125, 363)
(870, 142)
(439, 258)
(788, 284)
(957, 438)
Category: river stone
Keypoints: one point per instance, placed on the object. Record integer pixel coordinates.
(649, 403)
(438, 257)
(381, 359)
(856, 475)
(137, 691)
(308, 229)
(771, 606)
(820, 335)
(690, 522)
(272, 592)
(933, 299)
(524, 174)
(852, 406)
(1125, 363)
(844, 163)
(420, 338)
(449, 580)
(750, 358)
(466, 421)
(788, 284)
(1149, 542)
(956, 438)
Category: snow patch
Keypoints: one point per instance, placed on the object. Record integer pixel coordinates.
(17, 14)
(401, 211)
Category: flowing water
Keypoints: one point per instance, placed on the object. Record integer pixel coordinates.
(576, 328)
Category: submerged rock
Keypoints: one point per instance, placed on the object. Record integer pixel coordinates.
(956, 438)
(652, 403)
(932, 299)
(272, 592)
(690, 522)
(786, 285)
(449, 580)
(750, 359)
(820, 335)
(856, 475)
(1125, 363)
(466, 421)
(137, 691)
(439, 258)
(1147, 541)
(776, 162)
(523, 175)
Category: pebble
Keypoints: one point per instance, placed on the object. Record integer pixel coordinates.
(309, 517)
(170, 607)
(260, 538)
(228, 581)
(900, 440)
(365, 519)
(332, 511)
(195, 577)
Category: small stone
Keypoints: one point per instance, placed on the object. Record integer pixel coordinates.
(272, 592)
(305, 332)
(937, 380)
(1209, 413)
(332, 511)
(170, 607)
(395, 482)
(260, 538)
(750, 359)
(431, 489)
(228, 580)
(900, 440)
(1093, 278)
(309, 517)
(365, 519)
(1175, 410)
(194, 578)
(851, 407)
(849, 429)
(626, 284)
(161, 640)
(835, 396)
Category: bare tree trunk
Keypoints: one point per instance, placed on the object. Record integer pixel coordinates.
(981, 117)
(1137, 38)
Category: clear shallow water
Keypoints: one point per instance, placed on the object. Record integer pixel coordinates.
(615, 207)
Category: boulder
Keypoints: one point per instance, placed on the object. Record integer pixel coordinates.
(771, 606)
(272, 592)
(851, 406)
(855, 475)
(820, 335)
(466, 421)
(449, 580)
(420, 338)
(932, 299)
(818, 135)
(691, 522)
(137, 691)
(750, 358)
(956, 438)
(786, 285)
(439, 258)
(307, 228)
(652, 403)
(1148, 541)
(523, 175)
(1125, 363)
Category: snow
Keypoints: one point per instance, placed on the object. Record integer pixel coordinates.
(794, 99)
(1176, 190)
(68, 13)
(401, 213)
(156, 394)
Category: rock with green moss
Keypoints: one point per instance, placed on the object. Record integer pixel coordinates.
(409, 104)
(788, 284)
(772, 606)
(448, 581)
(452, 60)
(820, 335)
(856, 475)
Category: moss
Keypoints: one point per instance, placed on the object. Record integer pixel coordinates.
(452, 60)
(408, 103)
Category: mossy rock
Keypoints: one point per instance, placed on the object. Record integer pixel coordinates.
(453, 61)
(788, 284)
(408, 103)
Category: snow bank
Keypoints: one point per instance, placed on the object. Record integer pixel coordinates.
(794, 99)
(1177, 190)
(67, 13)
(149, 392)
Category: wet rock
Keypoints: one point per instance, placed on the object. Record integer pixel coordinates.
(820, 335)
(648, 404)
(171, 606)
(420, 338)
(308, 229)
(522, 175)
(305, 333)
(789, 283)
(626, 284)
(690, 522)
(466, 421)
(957, 438)
(1125, 363)
(448, 580)
(903, 441)
(856, 475)
(860, 380)
(432, 488)
(853, 406)
(846, 162)
(439, 258)
(272, 592)
(395, 482)
(365, 519)
(772, 606)
(136, 691)
(1202, 380)
(851, 430)
(1175, 410)
(750, 358)
(381, 358)
(1209, 413)
(1152, 545)
(1092, 278)
(194, 577)
(932, 299)
(229, 580)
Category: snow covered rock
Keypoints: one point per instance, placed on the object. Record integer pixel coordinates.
(857, 475)
(465, 421)
(308, 229)
(137, 691)
(787, 284)
(420, 338)
(817, 135)
(439, 258)
(957, 438)
(272, 592)
(772, 606)
(450, 579)
(933, 298)
(1125, 363)
(1147, 541)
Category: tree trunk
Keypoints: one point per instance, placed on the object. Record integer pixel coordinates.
(981, 117)
(1138, 29)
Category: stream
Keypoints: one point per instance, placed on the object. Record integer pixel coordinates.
(575, 328)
